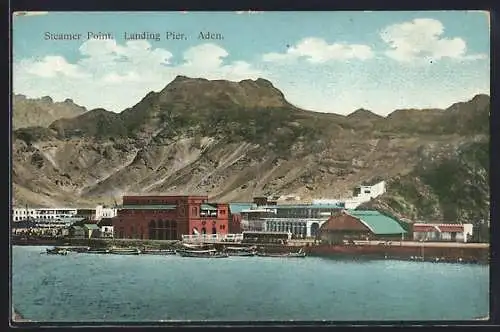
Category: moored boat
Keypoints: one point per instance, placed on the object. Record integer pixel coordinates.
(159, 252)
(299, 254)
(97, 251)
(240, 251)
(202, 253)
(75, 249)
(56, 251)
(124, 251)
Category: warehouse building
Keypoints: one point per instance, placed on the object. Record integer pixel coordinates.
(360, 225)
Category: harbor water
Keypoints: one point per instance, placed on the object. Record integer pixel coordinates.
(99, 288)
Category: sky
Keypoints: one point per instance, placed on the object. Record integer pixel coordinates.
(334, 62)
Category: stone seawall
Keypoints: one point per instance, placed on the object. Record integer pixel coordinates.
(455, 252)
(427, 252)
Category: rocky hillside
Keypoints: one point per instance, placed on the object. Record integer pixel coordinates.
(450, 188)
(232, 141)
(41, 112)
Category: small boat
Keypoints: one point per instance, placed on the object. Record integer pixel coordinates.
(124, 251)
(299, 254)
(159, 252)
(75, 249)
(240, 251)
(56, 251)
(97, 251)
(202, 253)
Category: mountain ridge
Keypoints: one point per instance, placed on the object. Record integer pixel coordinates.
(41, 111)
(232, 141)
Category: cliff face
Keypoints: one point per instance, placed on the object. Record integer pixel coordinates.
(236, 140)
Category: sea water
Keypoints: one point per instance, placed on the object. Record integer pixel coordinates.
(95, 288)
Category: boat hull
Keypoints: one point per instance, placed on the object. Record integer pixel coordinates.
(159, 253)
(241, 254)
(97, 252)
(56, 252)
(124, 252)
(290, 255)
(202, 254)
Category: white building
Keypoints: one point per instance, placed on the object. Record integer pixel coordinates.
(442, 232)
(362, 195)
(302, 220)
(19, 214)
(106, 227)
(105, 212)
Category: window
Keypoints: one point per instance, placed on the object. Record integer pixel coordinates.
(222, 212)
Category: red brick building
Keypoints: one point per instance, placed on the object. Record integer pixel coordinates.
(169, 217)
(235, 224)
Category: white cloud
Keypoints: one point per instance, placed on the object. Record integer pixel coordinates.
(51, 66)
(317, 50)
(116, 76)
(422, 39)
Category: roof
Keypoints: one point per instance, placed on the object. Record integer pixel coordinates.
(422, 228)
(236, 208)
(377, 222)
(148, 207)
(452, 228)
(77, 228)
(91, 226)
(208, 207)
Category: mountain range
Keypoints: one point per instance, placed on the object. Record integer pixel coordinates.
(236, 140)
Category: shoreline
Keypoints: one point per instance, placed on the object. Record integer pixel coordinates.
(473, 253)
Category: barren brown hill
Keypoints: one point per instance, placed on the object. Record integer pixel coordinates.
(29, 112)
(230, 140)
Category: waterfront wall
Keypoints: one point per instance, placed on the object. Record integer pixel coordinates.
(427, 252)
(97, 242)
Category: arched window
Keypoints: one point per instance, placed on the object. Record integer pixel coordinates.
(214, 230)
(203, 230)
(160, 224)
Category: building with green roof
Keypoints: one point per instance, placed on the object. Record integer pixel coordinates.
(378, 223)
(361, 225)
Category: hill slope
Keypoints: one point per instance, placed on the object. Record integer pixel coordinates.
(231, 140)
(41, 112)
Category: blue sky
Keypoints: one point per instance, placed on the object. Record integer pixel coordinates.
(322, 61)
